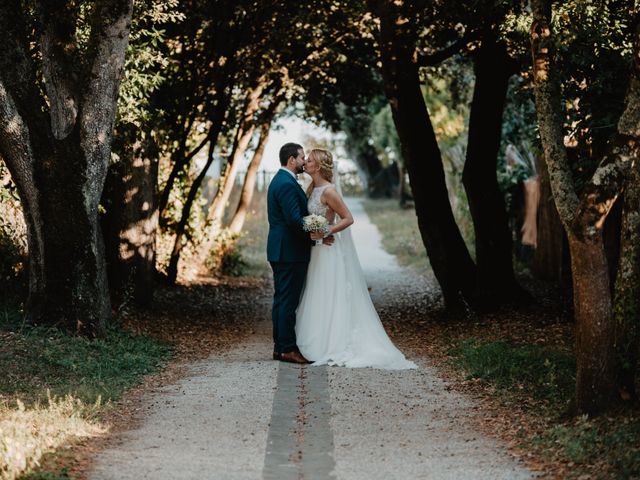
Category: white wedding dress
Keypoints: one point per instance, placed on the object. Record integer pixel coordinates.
(336, 322)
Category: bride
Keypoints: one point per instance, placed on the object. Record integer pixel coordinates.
(336, 322)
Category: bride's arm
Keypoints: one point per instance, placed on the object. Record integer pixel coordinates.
(333, 199)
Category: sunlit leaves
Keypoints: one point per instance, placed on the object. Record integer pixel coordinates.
(145, 59)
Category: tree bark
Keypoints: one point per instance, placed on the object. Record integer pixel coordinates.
(496, 282)
(243, 136)
(583, 217)
(131, 219)
(548, 258)
(594, 328)
(172, 269)
(59, 156)
(180, 161)
(627, 290)
(448, 254)
(237, 222)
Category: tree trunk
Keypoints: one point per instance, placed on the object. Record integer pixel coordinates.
(227, 180)
(584, 216)
(496, 283)
(448, 254)
(548, 259)
(180, 161)
(594, 329)
(59, 161)
(243, 136)
(237, 222)
(131, 219)
(627, 290)
(172, 269)
(218, 115)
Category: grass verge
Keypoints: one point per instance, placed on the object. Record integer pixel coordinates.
(543, 379)
(400, 234)
(54, 387)
(545, 374)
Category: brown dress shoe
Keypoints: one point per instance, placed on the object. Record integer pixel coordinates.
(293, 357)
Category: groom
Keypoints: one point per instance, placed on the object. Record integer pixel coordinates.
(288, 250)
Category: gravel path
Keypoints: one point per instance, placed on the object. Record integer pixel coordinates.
(240, 415)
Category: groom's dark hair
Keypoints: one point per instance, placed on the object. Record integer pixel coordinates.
(289, 150)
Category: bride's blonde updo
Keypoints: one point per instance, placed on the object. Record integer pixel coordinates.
(324, 159)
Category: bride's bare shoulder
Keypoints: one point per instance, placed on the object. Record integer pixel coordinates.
(330, 192)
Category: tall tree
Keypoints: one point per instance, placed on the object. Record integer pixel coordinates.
(130, 197)
(495, 276)
(58, 148)
(448, 254)
(248, 186)
(583, 214)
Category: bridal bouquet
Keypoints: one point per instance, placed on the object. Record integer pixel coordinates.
(315, 223)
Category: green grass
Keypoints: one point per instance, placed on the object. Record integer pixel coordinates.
(400, 234)
(62, 475)
(542, 373)
(54, 387)
(41, 359)
(606, 447)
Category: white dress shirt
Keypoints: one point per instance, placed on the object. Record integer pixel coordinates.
(290, 173)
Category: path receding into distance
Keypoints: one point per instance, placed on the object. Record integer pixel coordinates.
(241, 415)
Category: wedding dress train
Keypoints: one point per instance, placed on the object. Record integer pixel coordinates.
(336, 322)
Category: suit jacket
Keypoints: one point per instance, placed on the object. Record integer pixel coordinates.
(286, 206)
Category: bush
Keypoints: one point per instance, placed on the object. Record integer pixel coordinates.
(225, 257)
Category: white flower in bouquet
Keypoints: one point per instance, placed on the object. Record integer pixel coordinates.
(315, 223)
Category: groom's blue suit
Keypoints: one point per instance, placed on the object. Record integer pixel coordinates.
(288, 252)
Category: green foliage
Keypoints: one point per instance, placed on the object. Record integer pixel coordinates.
(612, 443)
(336, 56)
(61, 475)
(40, 359)
(545, 374)
(145, 60)
(594, 53)
(13, 239)
(384, 136)
(225, 257)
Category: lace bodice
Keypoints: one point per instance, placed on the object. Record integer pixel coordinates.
(316, 207)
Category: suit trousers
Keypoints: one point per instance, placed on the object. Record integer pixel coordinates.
(288, 282)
